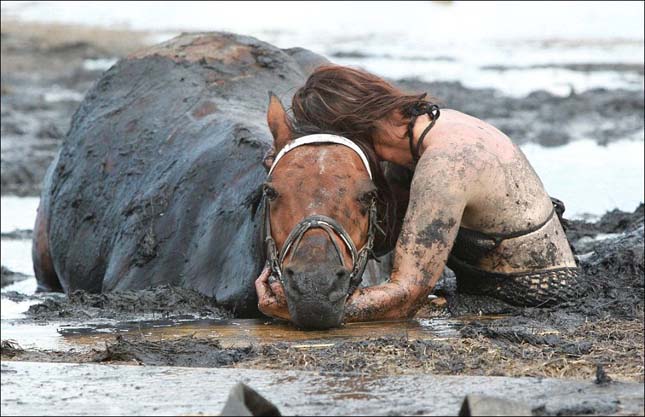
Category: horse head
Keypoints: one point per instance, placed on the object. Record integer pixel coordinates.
(320, 205)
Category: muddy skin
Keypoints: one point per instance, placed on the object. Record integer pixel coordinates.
(435, 232)
(517, 238)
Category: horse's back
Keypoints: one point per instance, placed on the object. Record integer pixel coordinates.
(156, 181)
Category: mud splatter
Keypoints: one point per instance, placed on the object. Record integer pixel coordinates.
(435, 233)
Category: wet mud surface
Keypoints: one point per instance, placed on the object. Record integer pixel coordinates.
(602, 329)
(164, 302)
(9, 277)
(46, 70)
(98, 389)
(598, 337)
(544, 118)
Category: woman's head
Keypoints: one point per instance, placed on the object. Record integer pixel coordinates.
(351, 103)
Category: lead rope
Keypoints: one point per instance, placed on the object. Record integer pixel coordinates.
(432, 110)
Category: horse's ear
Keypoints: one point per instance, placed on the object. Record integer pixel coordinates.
(278, 123)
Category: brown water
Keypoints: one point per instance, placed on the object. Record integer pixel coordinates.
(231, 333)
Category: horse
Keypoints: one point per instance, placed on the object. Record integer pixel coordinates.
(326, 202)
(159, 179)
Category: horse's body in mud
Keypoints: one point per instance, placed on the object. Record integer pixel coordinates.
(157, 180)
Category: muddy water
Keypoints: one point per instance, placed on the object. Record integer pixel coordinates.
(109, 390)
(230, 333)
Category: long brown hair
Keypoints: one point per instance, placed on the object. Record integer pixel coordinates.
(349, 102)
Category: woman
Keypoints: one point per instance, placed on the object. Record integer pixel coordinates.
(476, 204)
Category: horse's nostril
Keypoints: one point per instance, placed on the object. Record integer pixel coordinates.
(289, 272)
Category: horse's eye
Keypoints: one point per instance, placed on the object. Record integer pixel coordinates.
(367, 198)
(270, 192)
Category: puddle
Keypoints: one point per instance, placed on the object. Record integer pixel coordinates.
(230, 333)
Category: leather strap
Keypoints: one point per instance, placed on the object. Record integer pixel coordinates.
(432, 110)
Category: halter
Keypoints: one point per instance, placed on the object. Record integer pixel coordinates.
(330, 226)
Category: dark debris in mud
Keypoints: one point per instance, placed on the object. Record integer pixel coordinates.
(10, 349)
(601, 376)
(542, 117)
(9, 277)
(186, 351)
(165, 301)
(20, 234)
(615, 221)
(473, 354)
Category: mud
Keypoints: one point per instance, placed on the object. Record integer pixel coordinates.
(603, 329)
(164, 301)
(45, 73)
(9, 277)
(182, 352)
(92, 389)
(583, 233)
(185, 351)
(19, 234)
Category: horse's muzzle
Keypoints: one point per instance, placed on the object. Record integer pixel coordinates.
(316, 300)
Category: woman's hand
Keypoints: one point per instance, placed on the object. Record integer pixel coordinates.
(271, 299)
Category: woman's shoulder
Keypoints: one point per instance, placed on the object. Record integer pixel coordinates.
(460, 137)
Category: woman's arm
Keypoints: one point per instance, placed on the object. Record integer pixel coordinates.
(438, 197)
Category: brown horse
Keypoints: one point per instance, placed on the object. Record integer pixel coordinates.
(322, 225)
